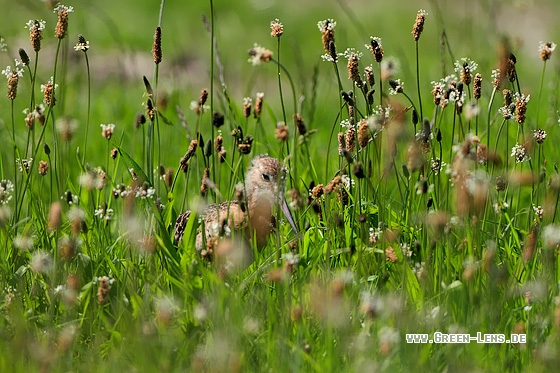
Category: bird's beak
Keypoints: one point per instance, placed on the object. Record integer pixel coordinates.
(288, 215)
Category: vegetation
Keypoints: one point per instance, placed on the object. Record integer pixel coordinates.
(423, 178)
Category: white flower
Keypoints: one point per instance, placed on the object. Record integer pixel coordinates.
(345, 123)
(34, 24)
(144, 193)
(41, 262)
(76, 214)
(84, 47)
(107, 127)
(472, 110)
(469, 65)
(378, 40)
(520, 153)
(3, 45)
(61, 7)
(44, 86)
(291, 258)
(6, 190)
(328, 58)
(396, 87)
(405, 248)
(328, 24)
(546, 49)
(259, 54)
(507, 111)
(388, 334)
(551, 235)
(351, 53)
(24, 243)
(9, 72)
(24, 164)
(105, 279)
(347, 181)
(104, 213)
(521, 98)
(59, 289)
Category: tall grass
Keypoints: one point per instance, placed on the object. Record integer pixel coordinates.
(425, 216)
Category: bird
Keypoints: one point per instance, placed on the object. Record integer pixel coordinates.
(254, 217)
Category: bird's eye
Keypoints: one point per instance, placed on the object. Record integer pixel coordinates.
(266, 177)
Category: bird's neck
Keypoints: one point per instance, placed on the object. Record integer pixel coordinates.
(260, 206)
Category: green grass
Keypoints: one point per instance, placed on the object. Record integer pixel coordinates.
(403, 248)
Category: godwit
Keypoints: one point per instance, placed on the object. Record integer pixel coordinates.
(264, 185)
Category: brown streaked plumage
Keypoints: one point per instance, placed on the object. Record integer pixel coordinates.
(264, 185)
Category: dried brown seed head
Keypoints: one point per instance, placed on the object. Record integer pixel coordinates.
(62, 23)
(277, 29)
(281, 132)
(156, 47)
(418, 26)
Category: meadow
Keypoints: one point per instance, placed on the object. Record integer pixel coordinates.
(422, 176)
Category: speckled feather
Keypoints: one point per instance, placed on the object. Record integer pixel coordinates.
(264, 185)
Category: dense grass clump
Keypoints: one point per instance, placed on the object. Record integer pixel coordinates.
(424, 185)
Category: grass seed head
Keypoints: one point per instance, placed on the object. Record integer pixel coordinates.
(82, 44)
(24, 57)
(390, 255)
(150, 110)
(103, 289)
(477, 86)
(203, 97)
(247, 105)
(13, 80)
(277, 29)
(358, 170)
(300, 124)
(511, 71)
(539, 135)
(107, 130)
(496, 78)
(204, 183)
(258, 105)
(259, 54)
(281, 133)
(55, 216)
(62, 23)
(30, 121)
(245, 145)
(218, 119)
(354, 69)
(370, 77)
(36, 28)
(341, 143)
(156, 47)
(521, 108)
(317, 191)
(139, 120)
(363, 133)
(327, 30)
(418, 26)
(350, 138)
(43, 168)
(376, 48)
(545, 50)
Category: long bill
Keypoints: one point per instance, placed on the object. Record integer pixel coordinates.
(288, 215)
